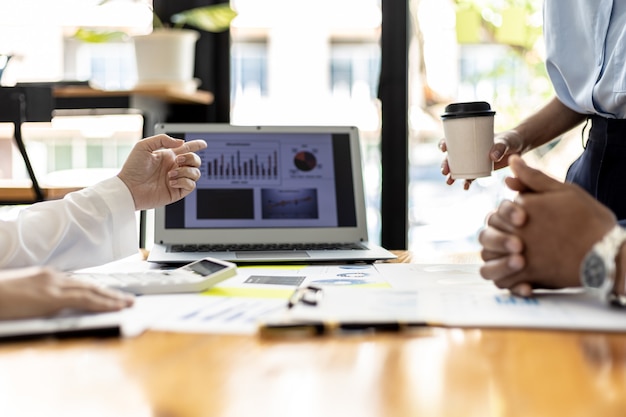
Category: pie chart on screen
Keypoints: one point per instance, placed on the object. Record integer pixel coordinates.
(305, 161)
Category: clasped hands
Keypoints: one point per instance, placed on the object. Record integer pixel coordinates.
(540, 239)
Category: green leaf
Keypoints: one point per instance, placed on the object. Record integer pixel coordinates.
(216, 18)
(94, 36)
(157, 23)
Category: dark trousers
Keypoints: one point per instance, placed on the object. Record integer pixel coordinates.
(601, 169)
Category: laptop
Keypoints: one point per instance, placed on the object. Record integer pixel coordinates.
(269, 194)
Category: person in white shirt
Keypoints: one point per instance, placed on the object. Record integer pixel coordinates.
(586, 63)
(87, 228)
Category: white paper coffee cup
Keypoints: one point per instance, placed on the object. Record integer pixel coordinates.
(468, 128)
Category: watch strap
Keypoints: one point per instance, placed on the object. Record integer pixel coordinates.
(617, 297)
(607, 249)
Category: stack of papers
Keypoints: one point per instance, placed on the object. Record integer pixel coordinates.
(451, 295)
(456, 296)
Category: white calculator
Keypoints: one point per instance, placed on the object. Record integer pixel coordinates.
(194, 277)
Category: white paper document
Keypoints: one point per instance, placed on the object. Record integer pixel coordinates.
(256, 292)
(206, 314)
(456, 296)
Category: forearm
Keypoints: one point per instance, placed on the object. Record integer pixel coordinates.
(548, 123)
(87, 228)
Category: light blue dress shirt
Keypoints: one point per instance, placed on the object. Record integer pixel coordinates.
(586, 54)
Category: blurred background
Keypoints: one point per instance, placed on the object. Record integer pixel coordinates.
(301, 62)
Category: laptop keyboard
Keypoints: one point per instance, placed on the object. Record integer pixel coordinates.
(265, 247)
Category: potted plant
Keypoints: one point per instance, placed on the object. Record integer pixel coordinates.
(167, 55)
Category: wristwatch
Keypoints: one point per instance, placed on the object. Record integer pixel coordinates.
(598, 268)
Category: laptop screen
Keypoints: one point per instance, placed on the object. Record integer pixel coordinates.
(267, 179)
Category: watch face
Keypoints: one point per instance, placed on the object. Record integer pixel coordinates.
(594, 270)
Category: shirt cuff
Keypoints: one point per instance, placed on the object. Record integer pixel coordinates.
(121, 205)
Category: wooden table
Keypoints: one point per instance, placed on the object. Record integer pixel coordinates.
(435, 372)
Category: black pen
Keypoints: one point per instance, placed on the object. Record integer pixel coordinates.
(308, 295)
(317, 328)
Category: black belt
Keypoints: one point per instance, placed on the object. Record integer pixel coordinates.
(608, 130)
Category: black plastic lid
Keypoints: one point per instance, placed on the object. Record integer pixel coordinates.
(469, 109)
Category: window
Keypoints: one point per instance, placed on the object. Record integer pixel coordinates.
(249, 70)
(311, 63)
(354, 69)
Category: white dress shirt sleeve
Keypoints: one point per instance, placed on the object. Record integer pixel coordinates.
(86, 228)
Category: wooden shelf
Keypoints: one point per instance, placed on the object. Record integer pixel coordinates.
(151, 100)
(21, 191)
(164, 93)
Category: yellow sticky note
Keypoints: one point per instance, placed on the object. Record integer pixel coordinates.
(249, 292)
(374, 285)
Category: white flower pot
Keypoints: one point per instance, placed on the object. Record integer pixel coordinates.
(166, 56)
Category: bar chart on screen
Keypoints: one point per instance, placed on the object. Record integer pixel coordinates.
(249, 162)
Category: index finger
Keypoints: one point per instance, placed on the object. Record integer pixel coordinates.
(190, 146)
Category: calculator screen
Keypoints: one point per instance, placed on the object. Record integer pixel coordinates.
(205, 267)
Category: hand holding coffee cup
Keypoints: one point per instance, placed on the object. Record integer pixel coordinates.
(468, 128)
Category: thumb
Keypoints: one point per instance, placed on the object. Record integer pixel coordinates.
(505, 144)
(161, 141)
(530, 178)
